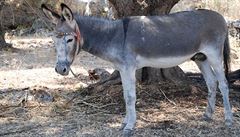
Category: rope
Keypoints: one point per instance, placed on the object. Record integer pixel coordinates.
(76, 76)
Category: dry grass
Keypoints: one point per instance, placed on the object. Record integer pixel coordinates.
(97, 115)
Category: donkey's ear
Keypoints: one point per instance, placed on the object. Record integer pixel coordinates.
(66, 12)
(51, 15)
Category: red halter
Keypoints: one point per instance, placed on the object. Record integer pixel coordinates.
(78, 36)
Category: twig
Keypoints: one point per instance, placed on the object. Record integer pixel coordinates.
(36, 106)
(70, 100)
(7, 112)
(9, 90)
(17, 130)
(98, 108)
(97, 111)
(167, 97)
(83, 101)
(110, 104)
(37, 14)
(19, 105)
(74, 97)
(16, 107)
(143, 118)
(12, 106)
(88, 104)
(13, 21)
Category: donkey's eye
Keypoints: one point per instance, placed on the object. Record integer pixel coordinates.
(69, 40)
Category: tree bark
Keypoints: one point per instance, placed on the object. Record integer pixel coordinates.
(2, 39)
(125, 8)
(3, 43)
(142, 7)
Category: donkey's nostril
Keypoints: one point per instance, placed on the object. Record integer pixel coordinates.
(64, 70)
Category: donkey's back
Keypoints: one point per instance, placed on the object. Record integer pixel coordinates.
(178, 34)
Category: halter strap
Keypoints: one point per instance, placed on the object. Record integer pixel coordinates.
(78, 35)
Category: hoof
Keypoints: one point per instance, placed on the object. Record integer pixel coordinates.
(228, 123)
(122, 126)
(206, 118)
(127, 133)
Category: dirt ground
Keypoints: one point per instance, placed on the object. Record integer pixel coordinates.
(36, 101)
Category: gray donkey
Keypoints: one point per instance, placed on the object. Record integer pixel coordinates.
(154, 41)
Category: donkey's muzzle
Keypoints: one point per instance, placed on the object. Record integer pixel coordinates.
(62, 68)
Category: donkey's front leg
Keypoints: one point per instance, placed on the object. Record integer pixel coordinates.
(129, 90)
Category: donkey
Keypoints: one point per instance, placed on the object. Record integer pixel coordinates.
(154, 41)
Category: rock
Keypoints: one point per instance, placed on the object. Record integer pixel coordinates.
(29, 67)
(41, 96)
(236, 24)
(98, 74)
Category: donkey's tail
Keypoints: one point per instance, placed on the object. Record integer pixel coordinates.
(226, 56)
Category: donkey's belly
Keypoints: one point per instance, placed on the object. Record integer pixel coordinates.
(162, 62)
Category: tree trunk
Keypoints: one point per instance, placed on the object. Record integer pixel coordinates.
(142, 7)
(3, 43)
(2, 40)
(147, 8)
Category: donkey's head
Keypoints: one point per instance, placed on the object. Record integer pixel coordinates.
(67, 38)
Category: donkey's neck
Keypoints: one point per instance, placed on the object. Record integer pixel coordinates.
(100, 35)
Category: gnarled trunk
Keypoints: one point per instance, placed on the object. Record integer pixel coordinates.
(125, 8)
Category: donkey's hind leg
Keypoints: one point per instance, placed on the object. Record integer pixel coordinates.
(211, 83)
(217, 65)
